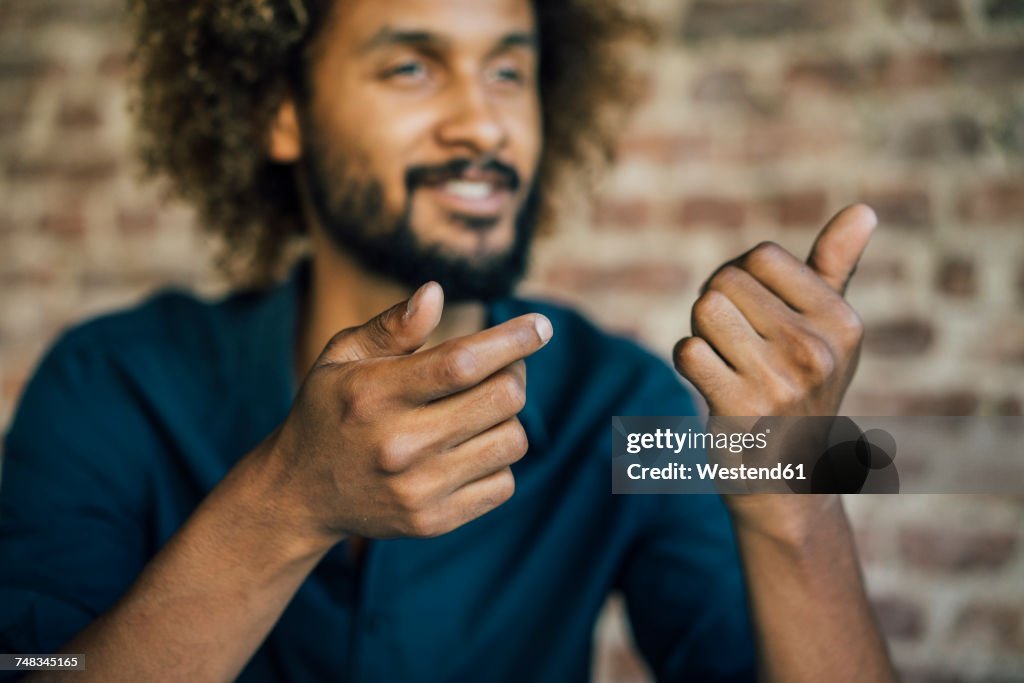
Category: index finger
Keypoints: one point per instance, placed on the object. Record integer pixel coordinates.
(464, 362)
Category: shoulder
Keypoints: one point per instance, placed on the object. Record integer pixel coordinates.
(114, 365)
(168, 329)
(171, 320)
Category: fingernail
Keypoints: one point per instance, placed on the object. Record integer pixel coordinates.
(543, 327)
(414, 301)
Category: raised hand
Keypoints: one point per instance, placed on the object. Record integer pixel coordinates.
(384, 442)
(773, 335)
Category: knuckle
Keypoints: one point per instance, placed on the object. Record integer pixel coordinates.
(511, 391)
(781, 394)
(361, 405)
(516, 438)
(812, 356)
(725, 277)
(708, 305)
(422, 525)
(459, 365)
(340, 337)
(851, 327)
(395, 454)
(687, 350)
(505, 487)
(406, 495)
(377, 332)
(764, 254)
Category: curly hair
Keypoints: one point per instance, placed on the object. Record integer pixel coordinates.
(210, 75)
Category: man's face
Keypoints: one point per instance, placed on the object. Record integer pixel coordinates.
(422, 136)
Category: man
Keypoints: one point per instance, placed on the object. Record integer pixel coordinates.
(209, 491)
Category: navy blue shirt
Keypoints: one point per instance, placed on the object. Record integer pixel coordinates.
(133, 418)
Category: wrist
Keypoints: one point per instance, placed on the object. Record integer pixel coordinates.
(265, 494)
(790, 521)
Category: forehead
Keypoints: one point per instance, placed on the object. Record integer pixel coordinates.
(358, 21)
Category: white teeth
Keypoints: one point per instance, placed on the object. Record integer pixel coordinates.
(466, 189)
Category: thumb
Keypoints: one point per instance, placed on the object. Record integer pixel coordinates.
(840, 244)
(401, 329)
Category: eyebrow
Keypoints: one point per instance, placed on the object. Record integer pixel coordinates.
(389, 36)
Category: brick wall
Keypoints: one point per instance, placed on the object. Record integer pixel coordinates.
(761, 119)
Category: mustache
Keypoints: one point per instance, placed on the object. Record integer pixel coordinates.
(506, 175)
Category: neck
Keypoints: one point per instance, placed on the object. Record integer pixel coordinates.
(343, 294)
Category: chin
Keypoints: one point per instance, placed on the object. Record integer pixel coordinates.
(471, 236)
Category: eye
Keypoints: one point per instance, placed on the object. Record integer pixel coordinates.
(408, 70)
(507, 74)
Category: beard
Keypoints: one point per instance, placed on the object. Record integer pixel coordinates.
(349, 204)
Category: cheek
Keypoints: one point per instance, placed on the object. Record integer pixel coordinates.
(385, 139)
(527, 132)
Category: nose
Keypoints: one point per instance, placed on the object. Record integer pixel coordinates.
(473, 124)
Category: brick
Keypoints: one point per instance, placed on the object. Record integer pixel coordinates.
(722, 86)
(989, 66)
(89, 171)
(66, 223)
(78, 116)
(45, 13)
(647, 277)
(714, 19)
(902, 337)
(628, 214)
(943, 549)
(1005, 347)
(22, 67)
(830, 75)
(711, 211)
(907, 207)
(957, 135)
(136, 221)
(901, 71)
(1008, 405)
(938, 11)
(766, 142)
(666, 148)
(32, 170)
(996, 201)
(961, 402)
(1009, 134)
(1000, 624)
(1004, 10)
(956, 276)
(881, 271)
(798, 209)
(879, 400)
(899, 618)
(114, 65)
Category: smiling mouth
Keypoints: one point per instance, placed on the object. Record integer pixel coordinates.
(476, 193)
(471, 190)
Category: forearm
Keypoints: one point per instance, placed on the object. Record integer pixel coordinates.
(812, 618)
(203, 605)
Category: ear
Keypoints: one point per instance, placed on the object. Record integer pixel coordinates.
(285, 142)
